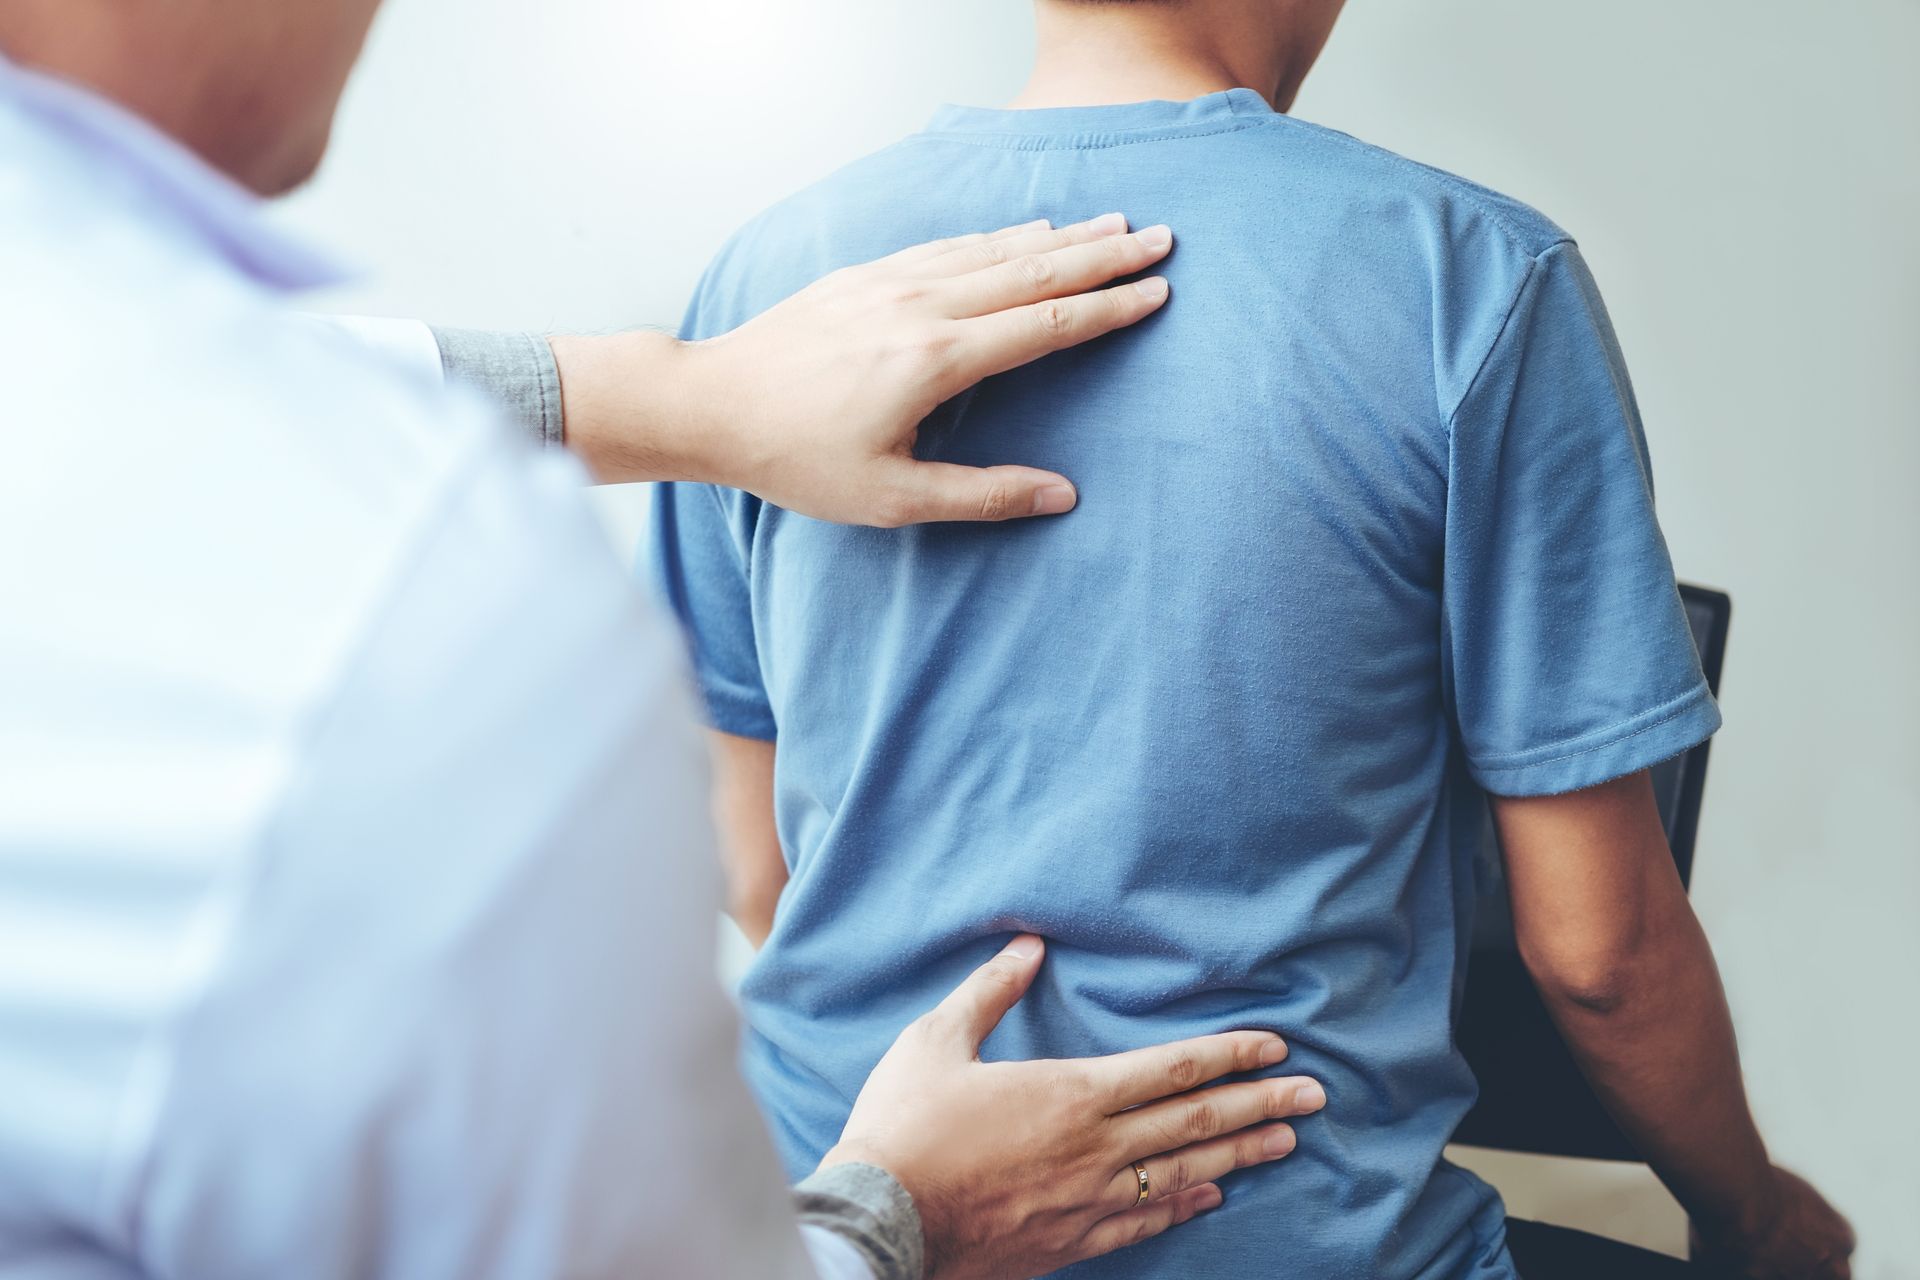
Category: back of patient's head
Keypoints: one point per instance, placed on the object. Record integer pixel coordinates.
(1265, 45)
(249, 84)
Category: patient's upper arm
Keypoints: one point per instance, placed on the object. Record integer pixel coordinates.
(749, 842)
(1591, 879)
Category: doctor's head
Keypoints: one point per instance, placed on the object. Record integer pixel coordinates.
(249, 84)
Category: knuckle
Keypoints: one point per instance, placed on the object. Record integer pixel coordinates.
(1247, 1149)
(1246, 1054)
(906, 293)
(996, 503)
(1054, 319)
(1000, 973)
(1038, 270)
(1076, 1090)
(1203, 1119)
(1277, 1100)
(1183, 1070)
(923, 350)
(988, 253)
(1177, 1176)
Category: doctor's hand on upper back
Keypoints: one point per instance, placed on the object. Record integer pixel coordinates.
(815, 405)
(1021, 1168)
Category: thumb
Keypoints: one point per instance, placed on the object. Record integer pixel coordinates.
(947, 491)
(975, 1007)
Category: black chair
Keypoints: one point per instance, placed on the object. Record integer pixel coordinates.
(1532, 1095)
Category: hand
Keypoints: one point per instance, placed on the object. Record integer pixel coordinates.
(1791, 1233)
(1020, 1168)
(815, 405)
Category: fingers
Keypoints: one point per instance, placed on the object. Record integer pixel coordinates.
(1124, 1080)
(1209, 1113)
(1060, 273)
(1173, 1172)
(976, 1006)
(1149, 1220)
(938, 248)
(929, 491)
(1008, 339)
(972, 254)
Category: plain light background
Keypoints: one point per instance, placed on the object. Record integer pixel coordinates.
(1744, 176)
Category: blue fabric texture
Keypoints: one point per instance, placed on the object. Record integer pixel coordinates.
(1366, 527)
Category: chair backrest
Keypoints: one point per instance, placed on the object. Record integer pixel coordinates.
(1532, 1095)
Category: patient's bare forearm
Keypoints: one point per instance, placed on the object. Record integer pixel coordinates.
(1657, 1045)
(1606, 930)
(743, 814)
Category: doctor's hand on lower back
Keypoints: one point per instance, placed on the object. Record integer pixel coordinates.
(1020, 1168)
(816, 404)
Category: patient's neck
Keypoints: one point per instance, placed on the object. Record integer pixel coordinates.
(1100, 54)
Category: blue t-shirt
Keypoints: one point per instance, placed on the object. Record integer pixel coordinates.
(1365, 526)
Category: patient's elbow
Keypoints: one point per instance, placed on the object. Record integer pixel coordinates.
(752, 901)
(1595, 979)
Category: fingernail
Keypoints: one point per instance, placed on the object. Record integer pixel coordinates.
(1153, 288)
(1278, 1142)
(1273, 1051)
(1053, 499)
(1310, 1096)
(1024, 947)
(1157, 237)
(1209, 1198)
(1108, 224)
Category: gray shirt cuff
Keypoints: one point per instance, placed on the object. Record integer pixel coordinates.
(868, 1207)
(514, 370)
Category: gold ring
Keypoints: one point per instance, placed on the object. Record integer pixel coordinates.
(1141, 1169)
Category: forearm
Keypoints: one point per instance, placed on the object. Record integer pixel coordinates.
(1656, 1041)
(632, 406)
(743, 814)
(644, 406)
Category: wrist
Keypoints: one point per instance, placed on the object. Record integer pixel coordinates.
(639, 405)
(1742, 1215)
(872, 1210)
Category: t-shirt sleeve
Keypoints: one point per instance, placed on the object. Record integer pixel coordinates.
(698, 547)
(1570, 660)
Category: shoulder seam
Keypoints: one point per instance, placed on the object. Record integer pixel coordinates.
(1434, 177)
(1534, 262)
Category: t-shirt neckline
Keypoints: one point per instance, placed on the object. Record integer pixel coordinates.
(1068, 125)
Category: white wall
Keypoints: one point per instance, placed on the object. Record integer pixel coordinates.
(1745, 178)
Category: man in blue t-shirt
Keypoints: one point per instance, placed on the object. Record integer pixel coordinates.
(1365, 532)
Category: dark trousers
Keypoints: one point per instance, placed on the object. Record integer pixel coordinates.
(1542, 1252)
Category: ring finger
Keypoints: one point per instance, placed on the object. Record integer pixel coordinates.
(1172, 1172)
